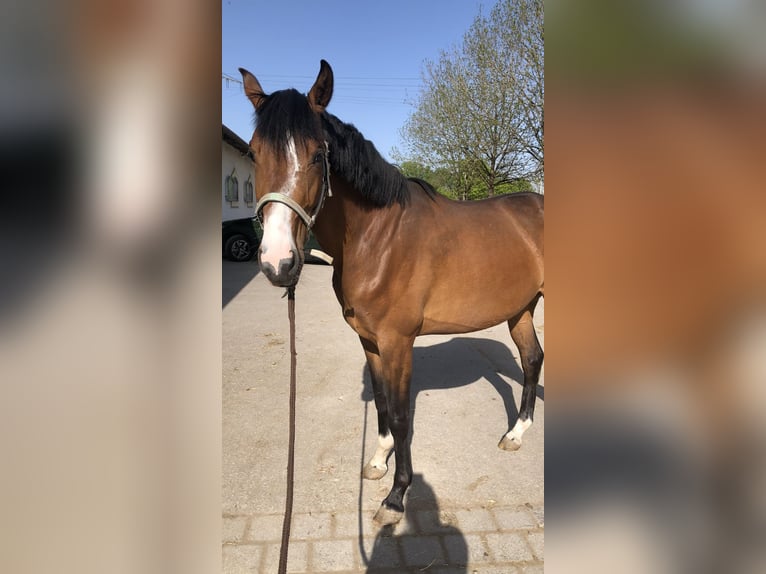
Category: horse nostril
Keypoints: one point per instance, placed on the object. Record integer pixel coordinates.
(287, 265)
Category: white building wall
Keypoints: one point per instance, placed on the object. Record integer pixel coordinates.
(232, 159)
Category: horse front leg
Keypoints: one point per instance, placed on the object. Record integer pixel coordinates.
(396, 363)
(377, 466)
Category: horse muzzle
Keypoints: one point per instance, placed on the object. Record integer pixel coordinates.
(287, 271)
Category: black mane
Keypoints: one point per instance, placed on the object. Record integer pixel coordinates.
(283, 115)
(357, 161)
(287, 113)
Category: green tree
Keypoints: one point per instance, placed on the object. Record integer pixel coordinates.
(439, 178)
(480, 113)
(412, 168)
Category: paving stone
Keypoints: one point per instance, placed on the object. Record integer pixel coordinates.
(297, 557)
(477, 570)
(508, 547)
(233, 529)
(434, 521)
(265, 527)
(367, 546)
(506, 569)
(347, 525)
(477, 550)
(332, 555)
(539, 514)
(381, 552)
(514, 518)
(422, 551)
(407, 525)
(536, 541)
(311, 526)
(241, 559)
(476, 520)
(457, 549)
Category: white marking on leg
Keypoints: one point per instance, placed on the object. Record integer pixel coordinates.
(385, 446)
(518, 430)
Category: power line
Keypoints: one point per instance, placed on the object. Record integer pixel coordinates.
(352, 92)
(230, 79)
(365, 78)
(346, 81)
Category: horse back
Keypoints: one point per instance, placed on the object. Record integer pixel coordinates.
(504, 223)
(527, 210)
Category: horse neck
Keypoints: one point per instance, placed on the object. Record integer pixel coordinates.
(346, 220)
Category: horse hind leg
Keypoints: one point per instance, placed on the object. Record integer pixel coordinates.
(377, 466)
(523, 334)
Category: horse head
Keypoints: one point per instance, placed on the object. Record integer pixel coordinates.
(291, 170)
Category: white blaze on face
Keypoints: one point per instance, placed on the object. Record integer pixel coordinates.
(277, 241)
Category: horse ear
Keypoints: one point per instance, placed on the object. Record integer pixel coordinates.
(253, 89)
(321, 91)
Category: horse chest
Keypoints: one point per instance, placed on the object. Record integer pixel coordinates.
(358, 319)
(362, 310)
(349, 314)
(369, 318)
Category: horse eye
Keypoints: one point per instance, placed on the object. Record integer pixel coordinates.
(317, 157)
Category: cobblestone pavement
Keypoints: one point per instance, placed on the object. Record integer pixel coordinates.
(483, 540)
(471, 507)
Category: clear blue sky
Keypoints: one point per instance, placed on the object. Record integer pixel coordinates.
(376, 50)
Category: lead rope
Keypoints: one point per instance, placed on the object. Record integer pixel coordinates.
(291, 446)
(309, 221)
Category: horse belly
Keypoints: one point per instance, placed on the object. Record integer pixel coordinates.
(476, 303)
(489, 265)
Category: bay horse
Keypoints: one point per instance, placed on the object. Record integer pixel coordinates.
(407, 261)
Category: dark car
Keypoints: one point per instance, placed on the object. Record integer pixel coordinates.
(240, 239)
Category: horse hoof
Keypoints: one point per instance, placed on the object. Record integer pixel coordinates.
(510, 444)
(373, 472)
(387, 516)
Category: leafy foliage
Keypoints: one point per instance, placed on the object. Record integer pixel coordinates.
(480, 114)
(456, 184)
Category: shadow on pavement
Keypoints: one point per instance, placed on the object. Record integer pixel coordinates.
(235, 277)
(427, 541)
(462, 361)
(421, 546)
